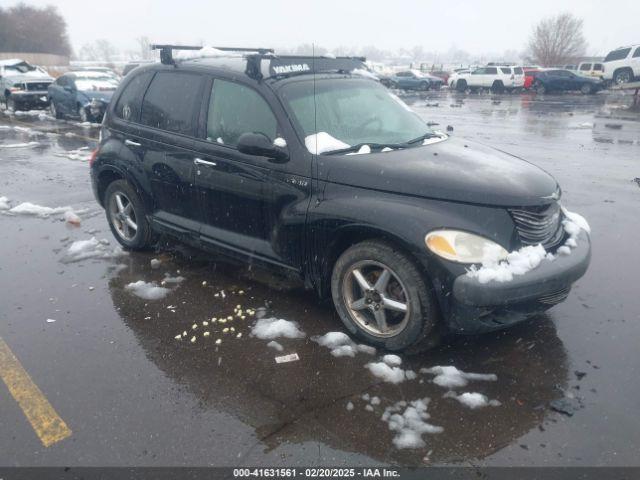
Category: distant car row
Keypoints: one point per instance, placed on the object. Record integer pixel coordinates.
(83, 93)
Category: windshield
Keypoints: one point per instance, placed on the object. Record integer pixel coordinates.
(23, 67)
(351, 111)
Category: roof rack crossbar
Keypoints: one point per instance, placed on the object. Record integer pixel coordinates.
(166, 51)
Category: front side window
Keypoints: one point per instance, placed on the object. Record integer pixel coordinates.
(352, 111)
(518, 70)
(235, 109)
(597, 67)
(492, 71)
(170, 102)
(505, 70)
(636, 54)
(585, 67)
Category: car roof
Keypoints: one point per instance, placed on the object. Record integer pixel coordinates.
(12, 61)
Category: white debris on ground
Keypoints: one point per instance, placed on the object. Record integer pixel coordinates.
(451, 377)
(386, 373)
(519, 262)
(155, 263)
(272, 328)
(20, 145)
(341, 344)
(147, 290)
(350, 406)
(473, 400)
(4, 203)
(28, 208)
(411, 424)
(92, 248)
(71, 217)
(275, 345)
(169, 279)
(392, 360)
(323, 142)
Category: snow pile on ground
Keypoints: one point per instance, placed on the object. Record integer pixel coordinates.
(451, 377)
(323, 142)
(92, 248)
(389, 370)
(272, 328)
(28, 208)
(4, 203)
(20, 145)
(169, 279)
(275, 345)
(411, 424)
(341, 344)
(473, 400)
(81, 154)
(147, 290)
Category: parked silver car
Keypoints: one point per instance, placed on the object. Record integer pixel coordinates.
(23, 86)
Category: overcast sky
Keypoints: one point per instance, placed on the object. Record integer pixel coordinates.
(477, 27)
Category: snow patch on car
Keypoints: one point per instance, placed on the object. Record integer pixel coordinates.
(321, 142)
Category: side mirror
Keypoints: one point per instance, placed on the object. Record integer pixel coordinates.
(258, 144)
(68, 88)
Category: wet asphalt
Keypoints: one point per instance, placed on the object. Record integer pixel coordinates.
(133, 395)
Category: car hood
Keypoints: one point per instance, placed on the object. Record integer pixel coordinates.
(29, 77)
(97, 94)
(453, 169)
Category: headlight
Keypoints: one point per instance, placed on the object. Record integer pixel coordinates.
(464, 247)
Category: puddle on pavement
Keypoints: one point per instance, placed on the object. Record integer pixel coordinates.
(290, 403)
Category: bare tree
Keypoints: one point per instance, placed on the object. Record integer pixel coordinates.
(144, 48)
(35, 30)
(557, 40)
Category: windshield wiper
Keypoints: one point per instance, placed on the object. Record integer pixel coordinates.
(355, 148)
(422, 137)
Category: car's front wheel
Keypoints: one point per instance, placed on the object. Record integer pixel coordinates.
(623, 76)
(55, 113)
(84, 115)
(382, 298)
(127, 217)
(587, 89)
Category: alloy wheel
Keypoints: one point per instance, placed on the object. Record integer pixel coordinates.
(376, 298)
(123, 216)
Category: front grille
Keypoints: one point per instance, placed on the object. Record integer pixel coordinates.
(37, 86)
(541, 224)
(555, 297)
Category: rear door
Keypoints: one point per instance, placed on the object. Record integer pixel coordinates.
(165, 145)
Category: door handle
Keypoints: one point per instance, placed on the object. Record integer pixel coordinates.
(199, 161)
(131, 143)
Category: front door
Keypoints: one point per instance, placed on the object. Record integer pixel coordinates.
(234, 190)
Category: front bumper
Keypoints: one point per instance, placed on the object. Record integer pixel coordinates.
(31, 99)
(478, 307)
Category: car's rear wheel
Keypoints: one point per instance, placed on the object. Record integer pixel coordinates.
(461, 85)
(382, 298)
(586, 89)
(84, 115)
(497, 87)
(539, 87)
(127, 216)
(424, 85)
(623, 76)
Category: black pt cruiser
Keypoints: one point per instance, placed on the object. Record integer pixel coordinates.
(308, 165)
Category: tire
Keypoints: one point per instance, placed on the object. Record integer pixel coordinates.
(54, 110)
(393, 85)
(497, 87)
(139, 238)
(586, 89)
(11, 105)
(539, 88)
(424, 86)
(415, 328)
(624, 75)
(461, 86)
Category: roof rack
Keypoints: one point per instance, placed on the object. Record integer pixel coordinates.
(166, 51)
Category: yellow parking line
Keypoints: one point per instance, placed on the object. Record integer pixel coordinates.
(43, 418)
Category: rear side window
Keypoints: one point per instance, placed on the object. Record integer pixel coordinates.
(491, 71)
(169, 103)
(585, 67)
(518, 70)
(597, 67)
(505, 70)
(235, 109)
(617, 54)
(636, 54)
(128, 105)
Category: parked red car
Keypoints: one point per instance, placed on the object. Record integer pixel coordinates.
(529, 76)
